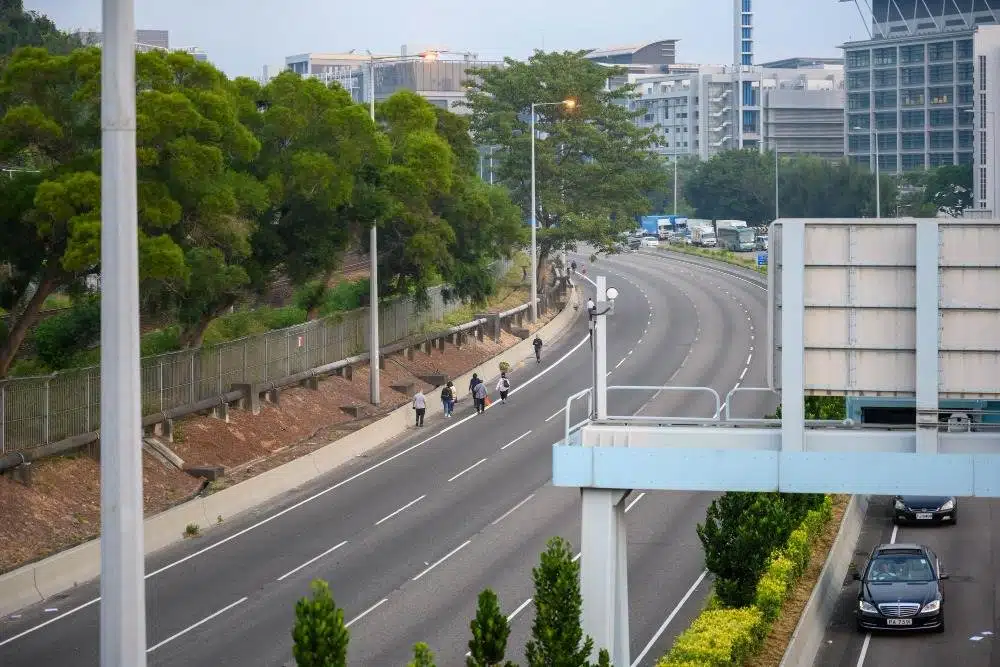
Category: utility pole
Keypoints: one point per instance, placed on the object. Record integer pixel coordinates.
(123, 591)
(373, 334)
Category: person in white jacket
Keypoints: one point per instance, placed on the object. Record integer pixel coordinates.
(503, 386)
(420, 405)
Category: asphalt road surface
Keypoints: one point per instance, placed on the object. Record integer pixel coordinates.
(410, 534)
(968, 552)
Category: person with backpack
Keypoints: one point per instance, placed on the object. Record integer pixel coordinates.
(473, 382)
(503, 386)
(479, 395)
(448, 398)
(537, 343)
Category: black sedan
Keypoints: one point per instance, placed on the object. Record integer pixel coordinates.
(925, 509)
(900, 590)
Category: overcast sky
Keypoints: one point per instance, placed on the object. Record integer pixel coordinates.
(241, 36)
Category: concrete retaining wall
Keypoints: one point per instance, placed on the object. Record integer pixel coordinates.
(808, 635)
(38, 581)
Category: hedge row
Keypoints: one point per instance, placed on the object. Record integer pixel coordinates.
(722, 637)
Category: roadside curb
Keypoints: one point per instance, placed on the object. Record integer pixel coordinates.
(808, 635)
(67, 569)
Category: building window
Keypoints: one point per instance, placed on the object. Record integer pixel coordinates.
(861, 120)
(963, 49)
(887, 163)
(912, 119)
(939, 140)
(942, 95)
(885, 121)
(913, 141)
(940, 51)
(856, 101)
(965, 158)
(886, 142)
(964, 72)
(912, 76)
(941, 159)
(911, 54)
(858, 81)
(912, 162)
(942, 117)
(941, 74)
(885, 78)
(912, 97)
(885, 56)
(885, 99)
(966, 96)
(858, 59)
(965, 140)
(858, 143)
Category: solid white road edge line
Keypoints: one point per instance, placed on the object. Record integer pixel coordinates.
(511, 510)
(525, 435)
(311, 561)
(479, 462)
(199, 623)
(50, 621)
(401, 509)
(443, 559)
(663, 628)
(632, 504)
(366, 612)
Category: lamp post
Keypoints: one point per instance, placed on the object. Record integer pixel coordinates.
(675, 184)
(534, 247)
(878, 192)
(123, 600)
(776, 179)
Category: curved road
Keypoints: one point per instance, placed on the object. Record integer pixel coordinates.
(408, 535)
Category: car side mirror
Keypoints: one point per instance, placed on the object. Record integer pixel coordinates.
(856, 576)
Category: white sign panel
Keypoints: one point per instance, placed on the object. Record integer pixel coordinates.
(859, 307)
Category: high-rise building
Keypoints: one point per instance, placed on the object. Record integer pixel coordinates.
(986, 102)
(145, 41)
(910, 86)
(746, 81)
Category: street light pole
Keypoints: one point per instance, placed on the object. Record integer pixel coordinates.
(675, 185)
(776, 179)
(534, 208)
(873, 135)
(373, 324)
(123, 591)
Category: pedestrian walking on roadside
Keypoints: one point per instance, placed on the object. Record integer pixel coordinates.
(448, 398)
(473, 382)
(503, 386)
(537, 344)
(420, 405)
(479, 395)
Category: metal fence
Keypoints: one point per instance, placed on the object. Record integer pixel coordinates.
(36, 411)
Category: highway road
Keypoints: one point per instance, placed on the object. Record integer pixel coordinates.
(408, 535)
(968, 552)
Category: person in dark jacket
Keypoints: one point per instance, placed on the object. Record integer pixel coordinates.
(473, 382)
(448, 398)
(479, 395)
(537, 343)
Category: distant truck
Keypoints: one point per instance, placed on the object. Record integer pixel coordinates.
(703, 236)
(734, 235)
(662, 226)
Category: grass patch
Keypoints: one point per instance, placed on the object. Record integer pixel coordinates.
(726, 256)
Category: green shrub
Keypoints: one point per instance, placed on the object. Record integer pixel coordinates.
(59, 339)
(798, 550)
(490, 630)
(556, 635)
(320, 637)
(774, 586)
(719, 638)
(162, 341)
(281, 318)
(422, 656)
(345, 296)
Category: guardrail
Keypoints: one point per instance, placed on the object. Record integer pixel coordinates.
(40, 411)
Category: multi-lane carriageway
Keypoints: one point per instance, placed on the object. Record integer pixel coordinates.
(410, 534)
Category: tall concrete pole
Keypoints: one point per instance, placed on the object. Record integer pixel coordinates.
(373, 336)
(123, 600)
(601, 349)
(534, 248)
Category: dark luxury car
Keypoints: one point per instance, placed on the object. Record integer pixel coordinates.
(925, 509)
(900, 589)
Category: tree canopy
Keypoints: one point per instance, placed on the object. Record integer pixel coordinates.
(594, 167)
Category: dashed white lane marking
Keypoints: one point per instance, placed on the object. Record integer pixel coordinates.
(477, 463)
(630, 353)
(511, 510)
(663, 628)
(312, 560)
(632, 504)
(400, 510)
(744, 373)
(618, 365)
(520, 437)
(198, 624)
(555, 414)
(443, 559)
(366, 612)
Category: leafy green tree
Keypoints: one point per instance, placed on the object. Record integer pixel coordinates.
(422, 656)
(662, 198)
(594, 167)
(813, 188)
(25, 28)
(62, 337)
(557, 638)
(740, 533)
(319, 634)
(603, 658)
(946, 189)
(490, 630)
(733, 185)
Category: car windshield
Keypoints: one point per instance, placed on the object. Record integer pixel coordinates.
(900, 568)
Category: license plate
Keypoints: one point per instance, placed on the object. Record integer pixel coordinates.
(924, 515)
(899, 621)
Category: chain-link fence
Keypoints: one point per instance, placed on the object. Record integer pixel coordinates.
(39, 410)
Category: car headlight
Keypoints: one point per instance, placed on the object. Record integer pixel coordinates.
(900, 505)
(867, 607)
(950, 505)
(931, 606)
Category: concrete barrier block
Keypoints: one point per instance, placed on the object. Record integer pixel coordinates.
(211, 473)
(436, 380)
(405, 389)
(17, 590)
(221, 411)
(251, 397)
(68, 569)
(356, 411)
(311, 383)
(520, 332)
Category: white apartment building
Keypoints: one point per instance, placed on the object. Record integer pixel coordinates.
(985, 185)
(694, 111)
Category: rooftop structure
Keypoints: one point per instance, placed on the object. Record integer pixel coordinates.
(799, 62)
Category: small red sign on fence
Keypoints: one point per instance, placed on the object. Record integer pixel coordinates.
(302, 341)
